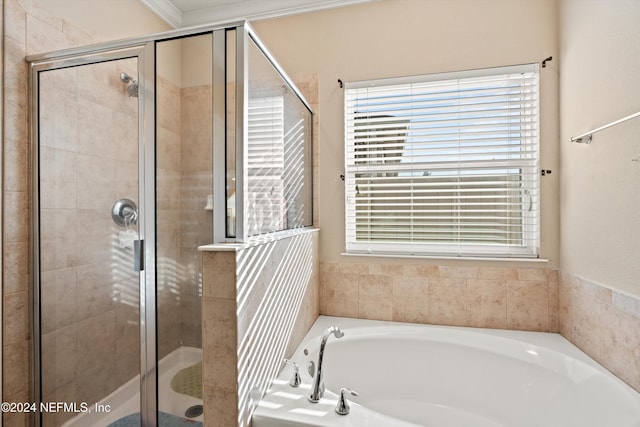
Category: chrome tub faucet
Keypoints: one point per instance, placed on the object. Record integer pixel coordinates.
(317, 389)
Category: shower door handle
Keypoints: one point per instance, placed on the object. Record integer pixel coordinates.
(138, 255)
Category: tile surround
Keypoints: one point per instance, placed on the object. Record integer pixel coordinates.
(489, 297)
(239, 353)
(603, 323)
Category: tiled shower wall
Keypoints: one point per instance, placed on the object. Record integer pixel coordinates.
(184, 180)
(28, 29)
(168, 180)
(196, 223)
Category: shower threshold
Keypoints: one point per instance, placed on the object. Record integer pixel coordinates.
(126, 399)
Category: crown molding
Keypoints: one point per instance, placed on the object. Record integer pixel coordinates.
(260, 9)
(166, 10)
(239, 10)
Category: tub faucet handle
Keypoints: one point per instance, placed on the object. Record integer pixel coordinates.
(296, 380)
(342, 408)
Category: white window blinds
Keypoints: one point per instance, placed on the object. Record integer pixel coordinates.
(265, 164)
(444, 164)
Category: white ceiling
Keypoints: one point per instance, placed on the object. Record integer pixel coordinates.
(185, 13)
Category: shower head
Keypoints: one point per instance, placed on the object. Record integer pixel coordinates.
(132, 84)
(126, 78)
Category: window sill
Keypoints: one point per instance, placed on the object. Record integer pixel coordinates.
(449, 258)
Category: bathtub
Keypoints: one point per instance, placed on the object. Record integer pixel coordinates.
(421, 375)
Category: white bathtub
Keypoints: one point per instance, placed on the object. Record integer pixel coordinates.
(408, 375)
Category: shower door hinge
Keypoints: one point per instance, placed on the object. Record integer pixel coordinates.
(138, 255)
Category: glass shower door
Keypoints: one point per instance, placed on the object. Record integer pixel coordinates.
(88, 250)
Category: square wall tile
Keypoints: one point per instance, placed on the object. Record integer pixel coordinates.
(487, 303)
(447, 302)
(375, 297)
(527, 305)
(410, 299)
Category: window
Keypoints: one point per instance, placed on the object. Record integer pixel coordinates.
(265, 164)
(444, 165)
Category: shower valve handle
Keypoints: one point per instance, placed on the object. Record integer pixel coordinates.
(124, 213)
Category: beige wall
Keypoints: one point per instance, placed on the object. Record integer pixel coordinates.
(406, 37)
(599, 58)
(403, 37)
(600, 231)
(103, 19)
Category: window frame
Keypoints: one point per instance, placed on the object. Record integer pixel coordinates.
(531, 227)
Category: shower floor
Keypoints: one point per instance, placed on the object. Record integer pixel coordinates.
(125, 401)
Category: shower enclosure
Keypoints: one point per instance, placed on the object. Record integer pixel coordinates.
(144, 150)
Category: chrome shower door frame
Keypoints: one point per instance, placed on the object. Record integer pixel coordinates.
(144, 49)
(145, 54)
